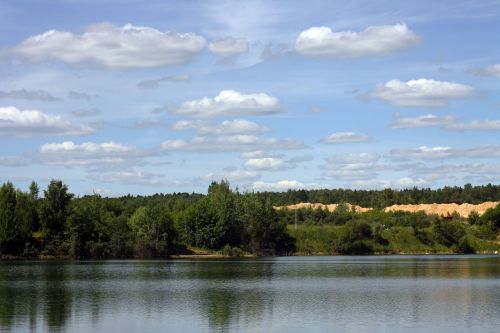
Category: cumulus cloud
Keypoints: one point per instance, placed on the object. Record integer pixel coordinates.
(421, 92)
(232, 103)
(284, 185)
(460, 172)
(422, 153)
(373, 41)
(234, 175)
(227, 127)
(428, 120)
(69, 153)
(445, 122)
(353, 166)
(229, 143)
(258, 154)
(237, 126)
(228, 46)
(188, 124)
(442, 152)
(492, 70)
(133, 177)
(29, 95)
(398, 183)
(345, 137)
(111, 46)
(269, 164)
(29, 123)
(155, 83)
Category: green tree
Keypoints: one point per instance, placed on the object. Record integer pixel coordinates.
(85, 229)
(213, 221)
(492, 216)
(264, 232)
(54, 209)
(8, 225)
(153, 229)
(355, 238)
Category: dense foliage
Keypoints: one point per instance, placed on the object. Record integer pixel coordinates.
(388, 197)
(60, 224)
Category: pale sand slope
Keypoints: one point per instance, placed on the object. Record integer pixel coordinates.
(431, 209)
(444, 209)
(329, 208)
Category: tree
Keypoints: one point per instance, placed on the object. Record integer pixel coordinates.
(85, 227)
(492, 216)
(54, 209)
(153, 228)
(355, 238)
(8, 226)
(213, 221)
(264, 232)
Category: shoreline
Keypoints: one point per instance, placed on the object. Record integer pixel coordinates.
(222, 256)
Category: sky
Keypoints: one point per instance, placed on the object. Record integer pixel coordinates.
(118, 97)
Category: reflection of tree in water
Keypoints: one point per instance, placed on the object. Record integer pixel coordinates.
(17, 299)
(56, 295)
(227, 296)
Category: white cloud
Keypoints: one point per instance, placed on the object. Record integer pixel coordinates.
(237, 126)
(399, 183)
(345, 137)
(353, 166)
(421, 92)
(30, 95)
(188, 124)
(350, 158)
(492, 70)
(428, 120)
(234, 175)
(373, 41)
(284, 185)
(29, 123)
(257, 154)
(460, 172)
(227, 127)
(232, 103)
(422, 153)
(155, 83)
(269, 164)
(133, 177)
(479, 125)
(113, 47)
(434, 153)
(69, 153)
(229, 143)
(228, 46)
(445, 122)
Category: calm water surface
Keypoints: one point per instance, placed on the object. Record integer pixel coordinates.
(292, 294)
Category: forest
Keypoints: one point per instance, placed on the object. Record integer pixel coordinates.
(56, 223)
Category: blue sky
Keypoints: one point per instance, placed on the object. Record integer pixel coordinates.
(139, 97)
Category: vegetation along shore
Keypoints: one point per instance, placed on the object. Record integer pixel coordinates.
(229, 223)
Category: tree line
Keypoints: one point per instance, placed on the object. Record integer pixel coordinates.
(58, 223)
(389, 197)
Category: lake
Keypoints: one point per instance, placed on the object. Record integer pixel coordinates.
(282, 294)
